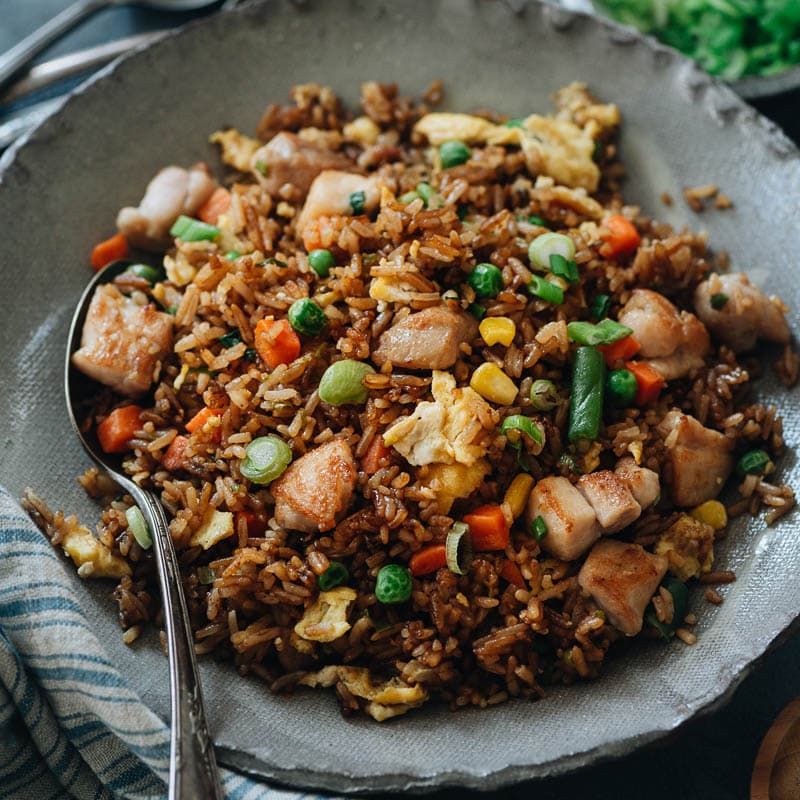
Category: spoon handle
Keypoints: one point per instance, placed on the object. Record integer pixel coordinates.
(193, 766)
(19, 55)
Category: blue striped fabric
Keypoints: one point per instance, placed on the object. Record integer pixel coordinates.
(70, 726)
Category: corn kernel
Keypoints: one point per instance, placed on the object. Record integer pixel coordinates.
(712, 512)
(498, 330)
(517, 493)
(491, 383)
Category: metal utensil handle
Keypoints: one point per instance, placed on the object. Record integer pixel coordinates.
(19, 55)
(193, 766)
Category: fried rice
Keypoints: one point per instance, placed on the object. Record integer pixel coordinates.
(523, 615)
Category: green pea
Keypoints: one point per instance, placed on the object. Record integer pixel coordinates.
(544, 395)
(621, 388)
(334, 576)
(486, 280)
(755, 462)
(342, 383)
(393, 584)
(306, 317)
(321, 261)
(453, 152)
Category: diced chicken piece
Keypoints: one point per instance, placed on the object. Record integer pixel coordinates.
(642, 483)
(428, 339)
(451, 482)
(92, 558)
(622, 578)
(453, 428)
(745, 317)
(316, 489)
(613, 504)
(675, 342)
(326, 619)
(287, 158)
(215, 526)
(331, 194)
(122, 341)
(571, 522)
(385, 700)
(173, 191)
(688, 545)
(701, 458)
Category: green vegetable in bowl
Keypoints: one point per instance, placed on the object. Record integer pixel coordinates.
(342, 382)
(266, 459)
(729, 38)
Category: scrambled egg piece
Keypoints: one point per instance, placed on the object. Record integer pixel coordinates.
(454, 481)
(386, 700)
(237, 149)
(216, 526)
(326, 620)
(392, 290)
(92, 557)
(576, 104)
(554, 147)
(689, 546)
(448, 430)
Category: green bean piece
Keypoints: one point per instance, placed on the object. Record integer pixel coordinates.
(586, 398)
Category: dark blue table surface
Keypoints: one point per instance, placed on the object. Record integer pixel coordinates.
(710, 758)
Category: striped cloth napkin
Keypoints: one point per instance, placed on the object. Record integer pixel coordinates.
(70, 726)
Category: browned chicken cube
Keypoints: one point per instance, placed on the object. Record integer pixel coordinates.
(622, 578)
(316, 489)
(429, 339)
(642, 483)
(122, 341)
(571, 523)
(613, 504)
(701, 459)
(289, 159)
(333, 194)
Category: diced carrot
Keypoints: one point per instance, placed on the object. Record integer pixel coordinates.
(376, 456)
(173, 456)
(217, 204)
(276, 342)
(255, 524)
(489, 528)
(200, 419)
(112, 249)
(650, 381)
(510, 571)
(429, 559)
(622, 237)
(622, 350)
(118, 428)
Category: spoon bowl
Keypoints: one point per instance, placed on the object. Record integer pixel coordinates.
(193, 767)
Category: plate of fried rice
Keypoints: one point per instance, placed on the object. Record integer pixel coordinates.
(456, 339)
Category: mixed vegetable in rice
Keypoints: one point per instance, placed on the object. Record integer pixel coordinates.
(433, 413)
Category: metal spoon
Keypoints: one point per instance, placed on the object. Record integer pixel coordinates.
(193, 768)
(19, 55)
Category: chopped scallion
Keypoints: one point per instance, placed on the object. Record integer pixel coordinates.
(458, 548)
(357, 202)
(193, 230)
(546, 291)
(138, 527)
(605, 332)
(719, 300)
(539, 528)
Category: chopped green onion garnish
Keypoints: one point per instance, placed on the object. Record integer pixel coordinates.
(540, 221)
(600, 306)
(515, 123)
(138, 527)
(458, 548)
(334, 576)
(517, 423)
(605, 332)
(426, 192)
(321, 261)
(477, 311)
(548, 292)
(719, 300)
(266, 458)
(232, 255)
(272, 260)
(755, 462)
(564, 268)
(262, 167)
(393, 584)
(486, 280)
(306, 317)
(546, 245)
(357, 201)
(544, 395)
(539, 528)
(171, 310)
(452, 153)
(192, 230)
(680, 601)
(205, 575)
(230, 339)
(343, 382)
(408, 197)
(151, 274)
(250, 354)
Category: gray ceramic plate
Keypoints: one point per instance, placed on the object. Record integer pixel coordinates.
(60, 192)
